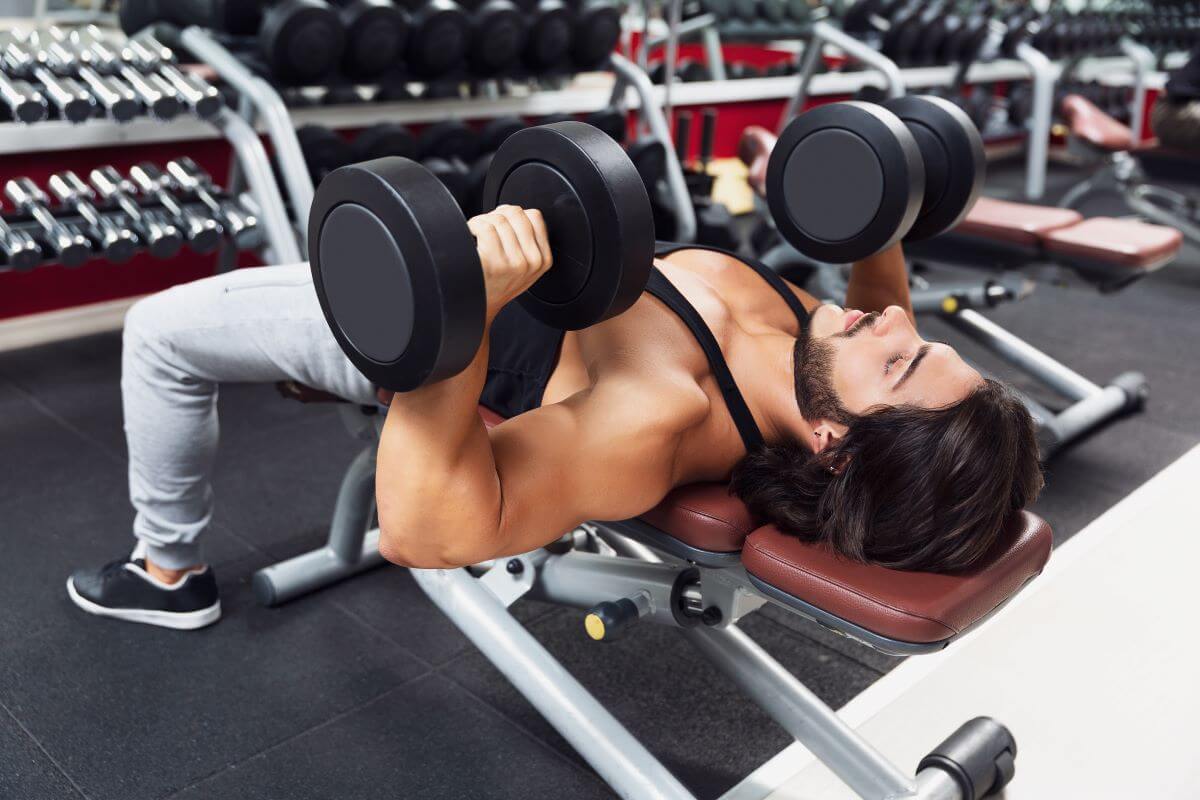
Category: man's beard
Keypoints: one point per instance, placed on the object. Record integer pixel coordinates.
(813, 363)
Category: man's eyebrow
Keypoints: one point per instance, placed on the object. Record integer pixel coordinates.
(912, 366)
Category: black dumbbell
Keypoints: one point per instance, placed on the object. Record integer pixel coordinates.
(649, 158)
(438, 39)
(301, 41)
(384, 139)
(323, 149)
(448, 139)
(20, 251)
(203, 233)
(548, 46)
(343, 95)
(476, 178)
(454, 175)
(499, 32)
(24, 103)
(596, 31)
(496, 131)
(187, 176)
(847, 180)
(117, 244)
(69, 247)
(159, 234)
(396, 269)
(376, 35)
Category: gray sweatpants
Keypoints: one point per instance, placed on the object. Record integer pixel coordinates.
(245, 326)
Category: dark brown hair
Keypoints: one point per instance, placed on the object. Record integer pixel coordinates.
(906, 487)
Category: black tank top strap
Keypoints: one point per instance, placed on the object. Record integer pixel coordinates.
(664, 249)
(662, 288)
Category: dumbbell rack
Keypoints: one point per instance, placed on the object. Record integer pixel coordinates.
(235, 220)
(166, 87)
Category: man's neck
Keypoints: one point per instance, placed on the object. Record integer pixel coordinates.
(771, 388)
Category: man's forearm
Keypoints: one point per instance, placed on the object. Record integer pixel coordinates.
(880, 281)
(436, 481)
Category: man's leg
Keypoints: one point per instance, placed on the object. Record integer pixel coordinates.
(247, 326)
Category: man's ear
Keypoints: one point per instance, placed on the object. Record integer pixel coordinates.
(826, 433)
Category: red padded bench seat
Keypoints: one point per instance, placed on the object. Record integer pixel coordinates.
(1123, 242)
(1015, 223)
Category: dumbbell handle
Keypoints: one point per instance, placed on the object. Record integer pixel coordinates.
(74, 193)
(73, 102)
(19, 248)
(109, 184)
(30, 199)
(683, 135)
(191, 178)
(150, 95)
(200, 96)
(708, 132)
(104, 56)
(150, 182)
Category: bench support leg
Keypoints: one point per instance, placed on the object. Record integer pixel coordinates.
(351, 548)
(612, 751)
(801, 713)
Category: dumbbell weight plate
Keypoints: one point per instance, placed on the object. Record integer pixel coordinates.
(845, 180)
(396, 273)
(597, 214)
(303, 41)
(953, 158)
(610, 120)
(385, 139)
(448, 139)
(496, 131)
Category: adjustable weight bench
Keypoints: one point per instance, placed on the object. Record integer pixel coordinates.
(1096, 135)
(699, 562)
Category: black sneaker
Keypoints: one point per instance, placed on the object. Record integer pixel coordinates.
(124, 590)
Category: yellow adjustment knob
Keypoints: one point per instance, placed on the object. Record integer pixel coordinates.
(949, 304)
(594, 626)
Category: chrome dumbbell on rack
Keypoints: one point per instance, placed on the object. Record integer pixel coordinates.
(188, 177)
(72, 102)
(199, 96)
(70, 248)
(19, 249)
(25, 103)
(118, 100)
(158, 234)
(203, 233)
(117, 244)
(156, 95)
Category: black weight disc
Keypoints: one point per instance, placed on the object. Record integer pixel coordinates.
(498, 37)
(597, 214)
(496, 131)
(302, 41)
(376, 35)
(597, 30)
(385, 139)
(612, 121)
(323, 149)
(438, 39)
(549, 43)
(952, 153)
(396, 273)
(845, 181)
(448, 139)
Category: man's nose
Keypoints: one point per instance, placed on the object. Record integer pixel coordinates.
(889, 319)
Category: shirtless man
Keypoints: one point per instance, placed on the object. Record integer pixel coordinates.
(840, 424)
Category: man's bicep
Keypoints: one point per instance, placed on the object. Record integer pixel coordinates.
(591, 456)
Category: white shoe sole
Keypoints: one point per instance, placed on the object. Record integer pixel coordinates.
(177, 620)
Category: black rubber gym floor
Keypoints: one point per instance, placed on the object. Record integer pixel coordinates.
(365, 690)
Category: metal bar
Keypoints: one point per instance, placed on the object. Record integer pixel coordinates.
(273, 113)
(674, 14)
(808, 67)
(582, 580)
(351, 548)
(652, 114)
(710, 37)
(1043, 74)
(893, 78)
(801, 713)
(1143, 65)
(1023, 355)
(612, 751)
(252, 157)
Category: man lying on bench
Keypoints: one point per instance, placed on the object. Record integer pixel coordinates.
(841, 423)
